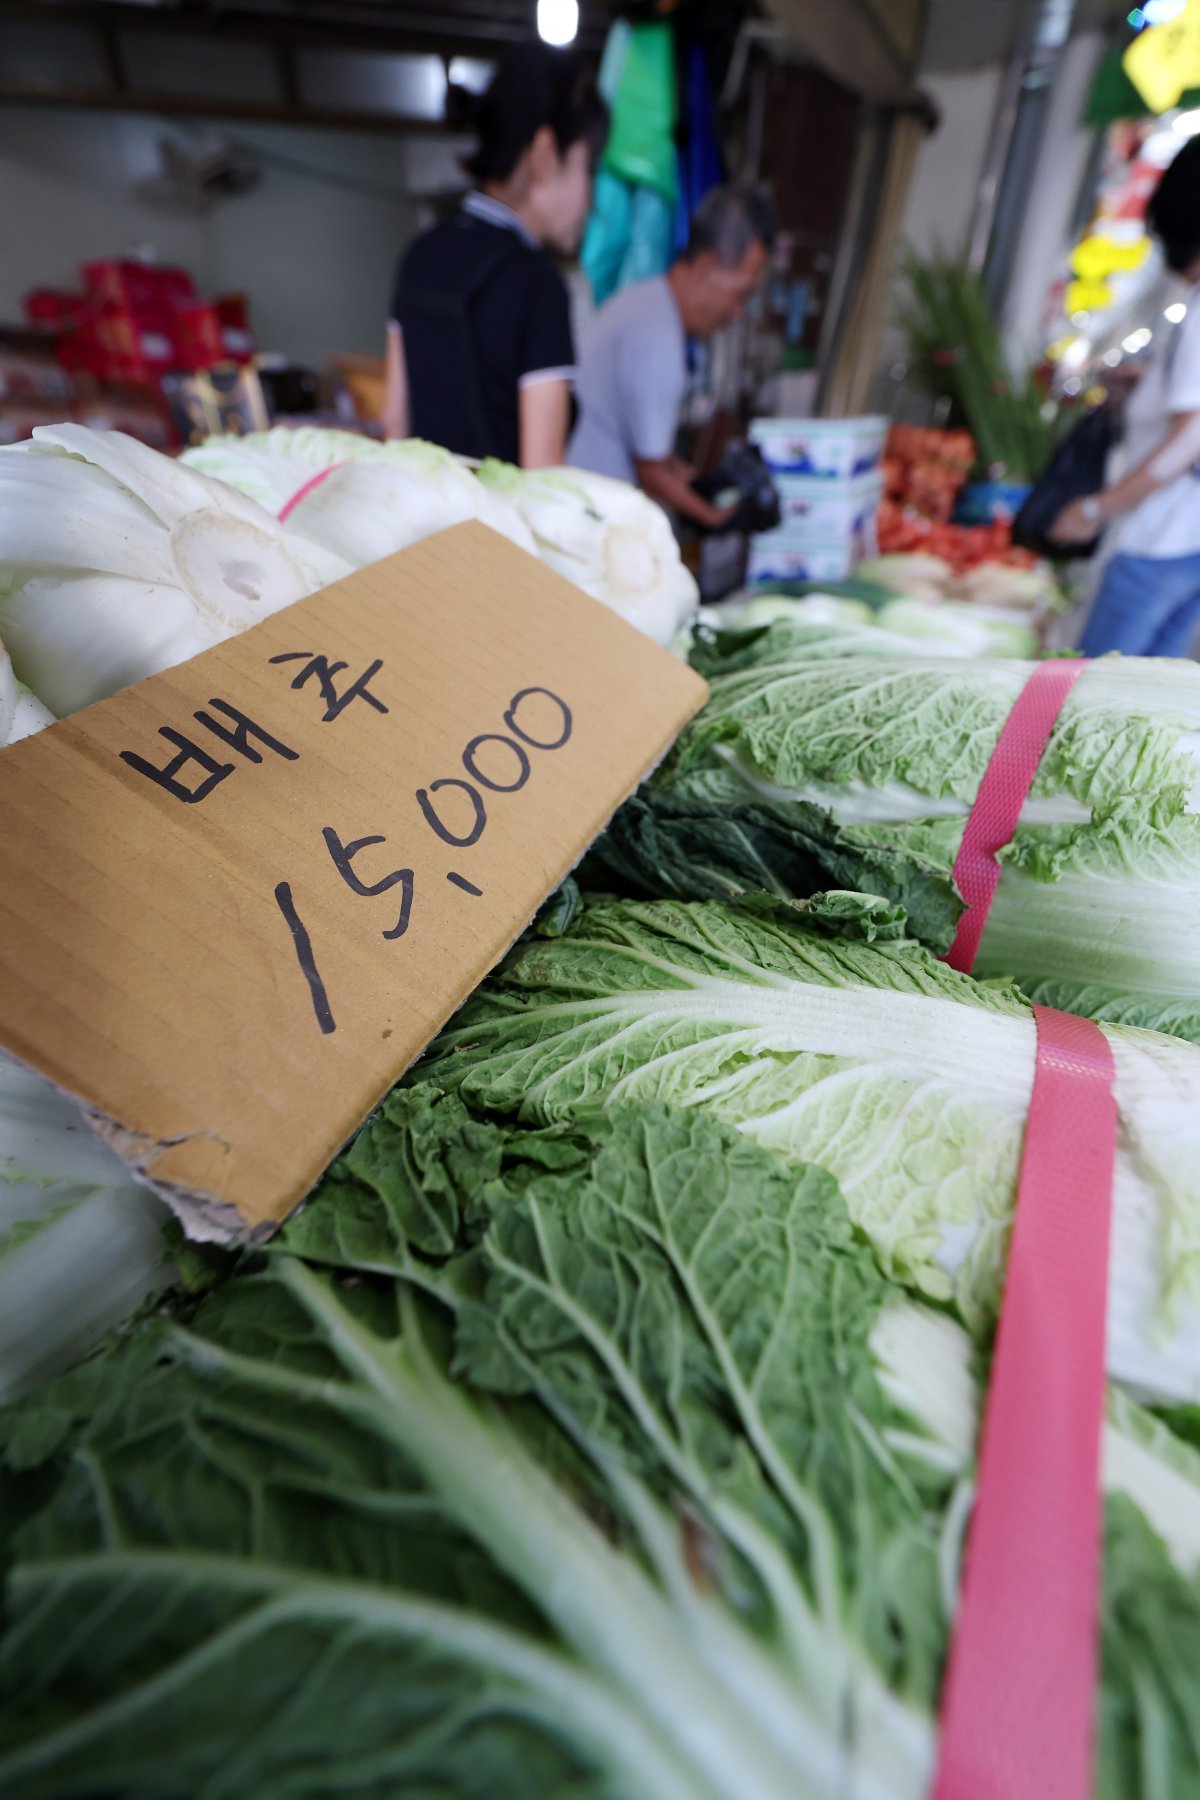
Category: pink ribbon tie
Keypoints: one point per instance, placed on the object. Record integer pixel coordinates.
(314, 481)
(1002, 793)
(1018, 1701)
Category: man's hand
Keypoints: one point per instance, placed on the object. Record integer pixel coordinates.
(663, 483)
(1076, 524)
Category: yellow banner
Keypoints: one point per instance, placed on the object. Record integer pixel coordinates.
(1163, 61)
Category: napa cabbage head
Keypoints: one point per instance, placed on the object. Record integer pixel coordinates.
(904, 739)
(909, 1082)
(353, 495)
(938, 628)
(607, 537)
(117, 562)
(820, 760)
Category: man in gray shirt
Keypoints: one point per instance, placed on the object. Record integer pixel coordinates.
(633, 370)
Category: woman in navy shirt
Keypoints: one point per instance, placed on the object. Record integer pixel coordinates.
(480, 354)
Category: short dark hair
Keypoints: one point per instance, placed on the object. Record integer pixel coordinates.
(1173, 213)
(534, 85)
(731, 218)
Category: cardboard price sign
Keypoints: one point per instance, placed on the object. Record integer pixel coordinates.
(246, 893)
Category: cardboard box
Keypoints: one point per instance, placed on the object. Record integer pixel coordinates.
(254, 887)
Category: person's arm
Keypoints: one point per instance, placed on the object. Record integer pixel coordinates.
(394, 417)
(543, 422)
(1079, 522)
(663, 480)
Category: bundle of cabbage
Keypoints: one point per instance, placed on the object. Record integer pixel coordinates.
(940, 628)
(607, 537)
(816, 768)
(532, 1465)
(116, 563)
(908, 1082)
(353, 495)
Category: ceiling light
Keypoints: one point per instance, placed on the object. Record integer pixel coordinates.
(1176, 313)
(557, 21)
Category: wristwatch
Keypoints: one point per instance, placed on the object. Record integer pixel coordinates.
(1092, 510)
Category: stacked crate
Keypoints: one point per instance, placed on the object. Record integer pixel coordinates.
(828, 475)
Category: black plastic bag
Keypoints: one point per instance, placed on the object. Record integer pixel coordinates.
(1075, 470)
(742, 470)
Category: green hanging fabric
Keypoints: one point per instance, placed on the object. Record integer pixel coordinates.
(641, 142)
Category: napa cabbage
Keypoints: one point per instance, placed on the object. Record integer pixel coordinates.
(590, 1460)
(364, 499)
(607, 537)
(117, 562)
(831, 1039)
(818, 761)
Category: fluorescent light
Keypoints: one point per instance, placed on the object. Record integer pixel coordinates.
(1176, 313)
(1186, 124)
(557, 21)
(1075, 354)
(1137, 340)
(1161, 12)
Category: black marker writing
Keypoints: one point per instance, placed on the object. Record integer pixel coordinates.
(168, 776)
(243, 730)
(324, 671)
(514, 706)
(238, 736)
(470, 759)
(425, 802)
(343, 861)
(302, 944)
(468, 887)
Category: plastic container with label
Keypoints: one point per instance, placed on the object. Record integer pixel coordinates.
(778, 557)
(822, 511)
(824, 449)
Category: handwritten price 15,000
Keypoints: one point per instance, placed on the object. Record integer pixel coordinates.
(514, 747)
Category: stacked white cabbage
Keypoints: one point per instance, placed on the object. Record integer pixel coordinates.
(363, 499)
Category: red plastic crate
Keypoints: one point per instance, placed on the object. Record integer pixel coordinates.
(198, 338)
(138, 287)
(237, 339)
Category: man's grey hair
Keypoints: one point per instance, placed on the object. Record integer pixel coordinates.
(731, 218)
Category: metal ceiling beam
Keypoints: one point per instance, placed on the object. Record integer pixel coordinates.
(264, 112)
(463, 29)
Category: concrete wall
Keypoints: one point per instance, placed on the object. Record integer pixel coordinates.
(940, 205)
(945, 184)
(1061, 166)
(313, 245)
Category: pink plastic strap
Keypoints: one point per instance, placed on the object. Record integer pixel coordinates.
(1002, 793)
(314, 481)
(1019, 1695)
